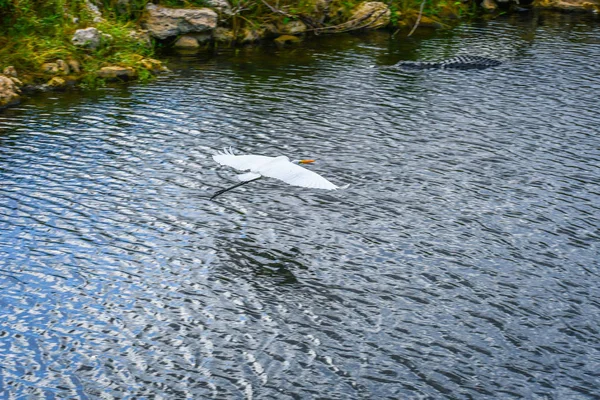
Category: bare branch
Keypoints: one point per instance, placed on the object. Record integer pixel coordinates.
(314, 25)
(418, 18)
(350, 25)
(277, 10)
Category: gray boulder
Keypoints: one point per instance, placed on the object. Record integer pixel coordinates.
(164, 22)
(89, 38)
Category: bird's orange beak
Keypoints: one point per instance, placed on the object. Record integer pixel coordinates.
(306, 161)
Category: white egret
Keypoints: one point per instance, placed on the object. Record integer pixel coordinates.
(272, 167)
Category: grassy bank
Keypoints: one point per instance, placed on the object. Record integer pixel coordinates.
(36, 34)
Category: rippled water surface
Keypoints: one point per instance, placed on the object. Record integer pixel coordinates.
(461, 263)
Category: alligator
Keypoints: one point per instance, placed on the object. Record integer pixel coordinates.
(460, 62)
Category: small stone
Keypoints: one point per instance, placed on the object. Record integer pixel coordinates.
(17, 81)
(63, 67)
(74, 65)
(287, 39)
(94, 11)
(292, 28)
(56, 83)
(10, 71)
(250, 35)
(50, 68)
(222, 6)
(116, 72)
(203, 38)
(489, 5)
(223, 35)
(187, 42)
(9, 92)
(142, 37)
(152, 65)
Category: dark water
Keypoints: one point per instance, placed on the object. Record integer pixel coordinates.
(462, 262)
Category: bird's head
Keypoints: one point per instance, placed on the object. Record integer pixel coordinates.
(303, 161)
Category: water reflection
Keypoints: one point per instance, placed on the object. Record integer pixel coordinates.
(246, 257)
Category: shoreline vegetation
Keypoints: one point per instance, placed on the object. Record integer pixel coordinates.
(57, 44)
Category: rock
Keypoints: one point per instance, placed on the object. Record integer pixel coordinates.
(10, 71)
(56, 83)
(116, 72)
(142, 37)
(17, 81)
(63, 67)
(89, 38)
(249, 35)
(287, 39)
(372, 15)
(203, 38)
(124, 7)
(166, 22)
(50, 68)
(571, 5)
(74, 65)
(222, 6)
(152, 65)
(489, 5)
(221, 34)
(292, 28)
(9, 92)
(187, 42)
(271, 29)
(94, 11)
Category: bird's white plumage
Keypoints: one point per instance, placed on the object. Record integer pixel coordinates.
(273, 167)
(248, 176)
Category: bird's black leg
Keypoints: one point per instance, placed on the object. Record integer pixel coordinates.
(220, 192)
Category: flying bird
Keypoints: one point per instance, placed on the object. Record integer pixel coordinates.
(272, 167)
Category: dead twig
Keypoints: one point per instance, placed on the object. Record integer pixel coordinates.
(350, 25)
(277, 10)
(308, 21)
(418, 18)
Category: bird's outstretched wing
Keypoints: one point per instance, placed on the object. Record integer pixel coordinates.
(242, 163)
(281, 168)
(248, 176)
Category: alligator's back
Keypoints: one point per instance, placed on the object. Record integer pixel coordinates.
(460, 62)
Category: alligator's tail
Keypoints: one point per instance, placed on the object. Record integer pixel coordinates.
(460, 62)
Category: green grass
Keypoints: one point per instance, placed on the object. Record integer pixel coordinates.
(34, 32)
